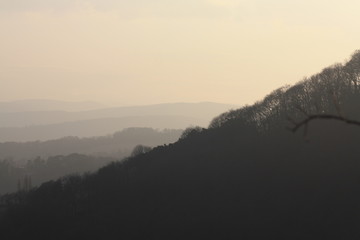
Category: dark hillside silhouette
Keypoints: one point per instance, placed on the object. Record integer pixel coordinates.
(245, 177)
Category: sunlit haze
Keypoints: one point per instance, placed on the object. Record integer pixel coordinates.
(155, 51)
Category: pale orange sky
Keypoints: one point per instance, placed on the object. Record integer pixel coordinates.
(154, 51)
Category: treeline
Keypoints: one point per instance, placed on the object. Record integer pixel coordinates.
(15, 177)
(335, 90)
(117, 145)
(245, 177)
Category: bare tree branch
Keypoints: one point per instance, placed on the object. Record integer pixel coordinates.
(323, 116)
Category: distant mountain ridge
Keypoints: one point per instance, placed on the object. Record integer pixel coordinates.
(204, 110)
(94, 127)
(34, 105)
(47, 125)
(117, 145)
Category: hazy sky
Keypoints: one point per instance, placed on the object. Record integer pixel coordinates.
(152, 51)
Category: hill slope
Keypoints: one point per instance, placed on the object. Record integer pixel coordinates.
(246, 177)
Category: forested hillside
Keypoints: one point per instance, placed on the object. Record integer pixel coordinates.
(15, 177)
(49, 160)
(247, 176)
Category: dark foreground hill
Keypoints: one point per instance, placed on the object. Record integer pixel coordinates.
(246, 177)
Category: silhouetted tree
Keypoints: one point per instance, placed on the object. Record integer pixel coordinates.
(140, 149)
(190, 131)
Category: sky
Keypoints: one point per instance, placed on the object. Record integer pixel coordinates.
(134, 52)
